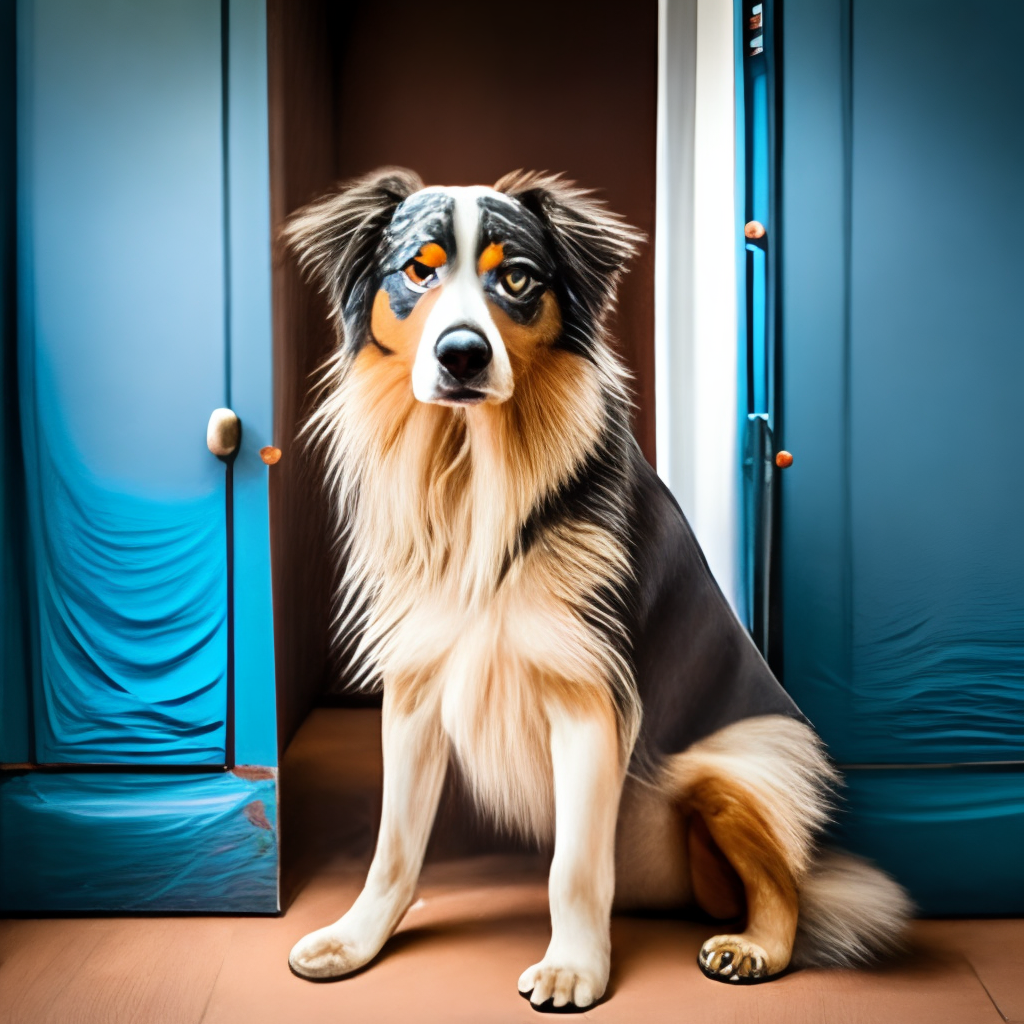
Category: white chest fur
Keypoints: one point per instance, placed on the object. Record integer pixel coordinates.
(490, 670)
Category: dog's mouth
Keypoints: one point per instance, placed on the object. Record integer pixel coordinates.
(470, 390)
(460, 396)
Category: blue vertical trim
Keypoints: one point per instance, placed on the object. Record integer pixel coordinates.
(15, 683)
(229, 490)
(744, 607)
(25, 329)
(225, 106)
(757, 400)
(250, 342)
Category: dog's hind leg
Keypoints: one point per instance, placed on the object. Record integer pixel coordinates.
(415, 761)
(756, 792)
(740, 831)
(588, 780)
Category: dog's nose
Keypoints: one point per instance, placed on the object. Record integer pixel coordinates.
(463, 352)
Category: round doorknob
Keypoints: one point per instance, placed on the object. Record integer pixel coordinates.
(783, 460)
(223, 432)
(753, 230)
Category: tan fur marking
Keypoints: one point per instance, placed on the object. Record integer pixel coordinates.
(400, 336)
(740, 830)
(523, 340)
(750, 845)
(490, 258)
(432, 255)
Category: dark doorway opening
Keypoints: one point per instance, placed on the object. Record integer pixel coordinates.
(461, 93)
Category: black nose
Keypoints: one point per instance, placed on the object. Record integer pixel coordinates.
(463, 352)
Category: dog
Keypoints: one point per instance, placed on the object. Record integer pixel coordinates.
(535, 607)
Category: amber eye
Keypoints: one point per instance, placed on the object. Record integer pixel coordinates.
(516, 281)
(419, 273)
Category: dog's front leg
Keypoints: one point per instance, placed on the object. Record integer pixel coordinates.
(415, 761)
(588, 782)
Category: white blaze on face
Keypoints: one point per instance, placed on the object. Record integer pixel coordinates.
(462, 303)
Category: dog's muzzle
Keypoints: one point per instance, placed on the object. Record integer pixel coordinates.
(465, 354)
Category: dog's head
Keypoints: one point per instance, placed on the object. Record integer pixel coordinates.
(463, 287)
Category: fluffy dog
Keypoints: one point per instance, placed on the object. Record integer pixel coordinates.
(535, 606)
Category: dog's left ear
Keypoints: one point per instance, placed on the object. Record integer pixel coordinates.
(592, 247)
(336, 240)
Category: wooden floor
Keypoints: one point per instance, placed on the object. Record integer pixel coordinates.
(480, 921)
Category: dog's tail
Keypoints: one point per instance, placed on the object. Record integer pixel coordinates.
(850, 913)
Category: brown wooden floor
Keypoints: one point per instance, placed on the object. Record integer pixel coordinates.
(481, 920)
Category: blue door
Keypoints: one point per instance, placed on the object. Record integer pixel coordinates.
(142, 306)
(899, 153)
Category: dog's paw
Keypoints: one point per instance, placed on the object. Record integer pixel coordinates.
(325, 954)
(735, 959)
(555, 988)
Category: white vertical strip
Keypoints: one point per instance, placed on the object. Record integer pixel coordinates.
(673, 254)
(716, 504)
(695, 276)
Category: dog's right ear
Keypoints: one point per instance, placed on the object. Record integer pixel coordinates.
(336, 239)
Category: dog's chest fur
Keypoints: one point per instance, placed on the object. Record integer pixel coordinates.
(494, 669)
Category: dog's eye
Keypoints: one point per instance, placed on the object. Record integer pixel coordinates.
(516, 281)
(420, 274)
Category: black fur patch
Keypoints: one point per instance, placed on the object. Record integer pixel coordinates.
(425, 217)
(524, 242)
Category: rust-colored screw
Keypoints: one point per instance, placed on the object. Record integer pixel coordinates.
(783, 460)
(270, 455)
(753, 230)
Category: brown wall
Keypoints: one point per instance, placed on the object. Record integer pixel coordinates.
(461, 92)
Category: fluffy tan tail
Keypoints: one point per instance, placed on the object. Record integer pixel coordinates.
(850, 913)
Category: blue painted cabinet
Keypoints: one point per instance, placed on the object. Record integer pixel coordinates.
(137, 563)
(899, 154)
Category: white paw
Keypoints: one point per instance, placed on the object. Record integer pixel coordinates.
(562, 985)
(326, 954)
(736, 959)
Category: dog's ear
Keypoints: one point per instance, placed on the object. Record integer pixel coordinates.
(592, 246)
(336, 239)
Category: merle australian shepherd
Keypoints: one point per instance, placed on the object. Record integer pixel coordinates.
(535, 607)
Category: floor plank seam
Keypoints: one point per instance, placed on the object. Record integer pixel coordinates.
(992, 999)
(213, 985)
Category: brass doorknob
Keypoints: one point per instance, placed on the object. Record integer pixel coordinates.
(753, 230)
(223, 432)
(783, 460)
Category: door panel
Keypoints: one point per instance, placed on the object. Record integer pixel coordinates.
(142, 146)
(122, 358)
(901, 368)
(901, 403)
(935, 376)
